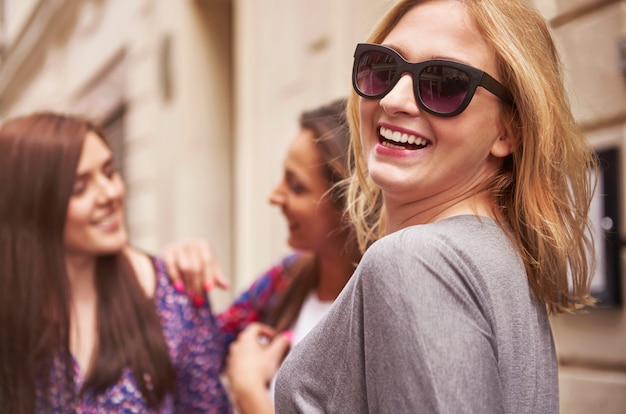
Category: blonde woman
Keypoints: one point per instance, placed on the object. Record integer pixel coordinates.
(461, 127)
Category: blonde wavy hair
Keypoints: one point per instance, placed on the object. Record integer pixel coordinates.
(545, 187)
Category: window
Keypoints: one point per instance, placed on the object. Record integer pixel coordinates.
(605, 214)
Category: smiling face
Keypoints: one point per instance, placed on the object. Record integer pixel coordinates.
(456, 157)
(95, 216)
(301, 194)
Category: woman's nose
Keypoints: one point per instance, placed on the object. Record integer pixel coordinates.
(110, 188)
(401, 98)
(277, 196)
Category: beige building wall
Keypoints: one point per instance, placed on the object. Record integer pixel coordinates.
(208, 93)
(166, 66)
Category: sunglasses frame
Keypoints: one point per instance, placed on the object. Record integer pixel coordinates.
(476, 77)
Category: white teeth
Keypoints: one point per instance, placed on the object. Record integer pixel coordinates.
(106, 221)
(400, 137)
(392, 146)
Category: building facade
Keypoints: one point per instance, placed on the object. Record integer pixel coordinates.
(201, 97)
(592, 347)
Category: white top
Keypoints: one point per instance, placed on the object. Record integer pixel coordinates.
(311, 313)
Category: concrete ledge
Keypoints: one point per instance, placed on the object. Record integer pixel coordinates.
(584, 391)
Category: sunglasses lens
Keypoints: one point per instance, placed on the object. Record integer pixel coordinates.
(442, 89)
(375, 72)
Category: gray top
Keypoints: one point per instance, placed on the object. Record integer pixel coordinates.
(438, 318)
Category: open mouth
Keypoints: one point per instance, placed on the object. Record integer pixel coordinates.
(110, 222)
(402, 141)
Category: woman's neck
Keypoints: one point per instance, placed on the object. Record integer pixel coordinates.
(81, 273)
(335, 271)
(399, 216)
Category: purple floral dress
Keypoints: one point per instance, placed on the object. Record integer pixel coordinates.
(196, 352)
(251, 305)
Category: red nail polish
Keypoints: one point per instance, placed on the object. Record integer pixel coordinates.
(198, 301)
(208, 286)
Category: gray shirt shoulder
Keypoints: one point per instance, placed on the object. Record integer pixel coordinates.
(437, 318)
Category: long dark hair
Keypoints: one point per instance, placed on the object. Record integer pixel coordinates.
(39, 155)
(332, 140)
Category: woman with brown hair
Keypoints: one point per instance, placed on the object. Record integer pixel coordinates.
(87, 323)
(296, 293)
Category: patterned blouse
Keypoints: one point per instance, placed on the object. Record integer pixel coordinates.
(195, 350)
(251, 305)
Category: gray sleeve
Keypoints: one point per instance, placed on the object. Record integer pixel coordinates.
(428, 342)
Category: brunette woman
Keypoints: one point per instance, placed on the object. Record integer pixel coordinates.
(292, 296)
(87, 323)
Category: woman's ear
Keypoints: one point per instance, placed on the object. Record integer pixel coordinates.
(502, 147)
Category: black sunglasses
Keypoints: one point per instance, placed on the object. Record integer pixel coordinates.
(441, 87)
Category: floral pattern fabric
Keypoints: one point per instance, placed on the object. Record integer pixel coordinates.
(249, 306)
(197, 354)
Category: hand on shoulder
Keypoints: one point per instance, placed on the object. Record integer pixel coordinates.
(192, 267)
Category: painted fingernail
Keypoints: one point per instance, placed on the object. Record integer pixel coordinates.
(179, 286)
(288, 335)
(208, 286)
(198, 301)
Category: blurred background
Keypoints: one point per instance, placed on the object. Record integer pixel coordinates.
(200, 98)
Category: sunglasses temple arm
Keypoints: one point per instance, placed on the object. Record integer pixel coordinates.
(496, 88)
